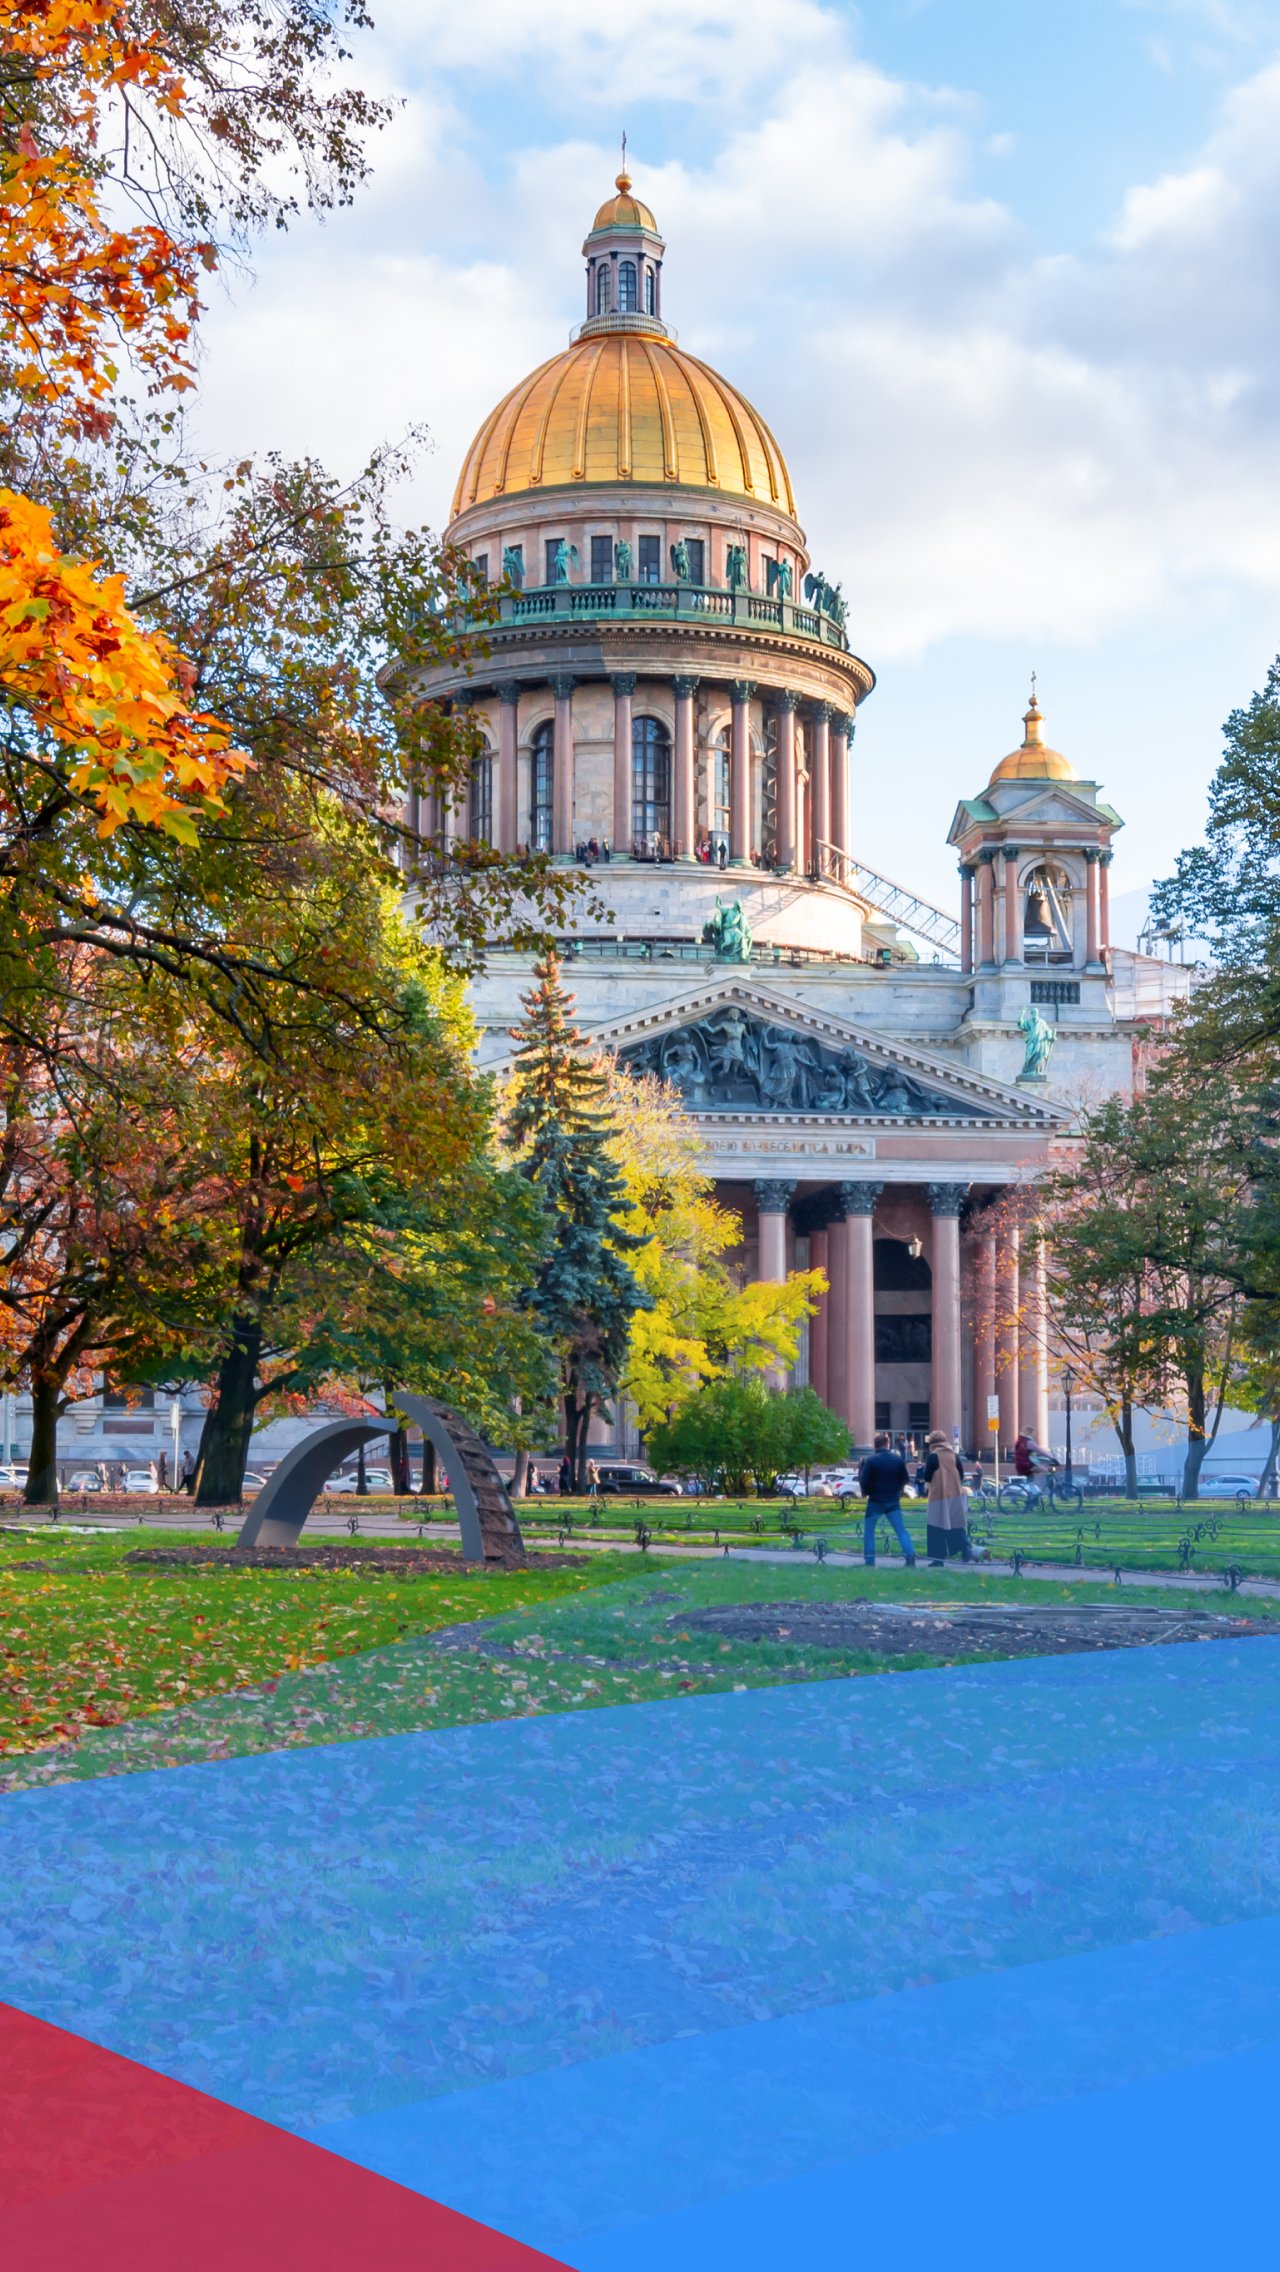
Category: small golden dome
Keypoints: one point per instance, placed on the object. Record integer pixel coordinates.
(1035, 761)
(624, 211)
(625, 406)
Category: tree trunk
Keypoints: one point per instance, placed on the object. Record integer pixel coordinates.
(228, 1425)
(430, 1481)
(42, 1465)
(520, 1478)
(1266, 1481)
(1197, 1445)
(1124, 1430)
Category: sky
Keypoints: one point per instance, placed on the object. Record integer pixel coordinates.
(1002, 275)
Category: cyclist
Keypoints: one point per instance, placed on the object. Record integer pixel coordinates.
(1030, 1459)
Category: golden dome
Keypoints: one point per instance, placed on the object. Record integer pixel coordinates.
(625, 406)
(1035, 761)
(624, 211)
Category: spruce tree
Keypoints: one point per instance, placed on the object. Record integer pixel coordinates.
(586, 1293)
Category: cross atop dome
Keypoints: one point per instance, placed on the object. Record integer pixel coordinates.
(623, 252)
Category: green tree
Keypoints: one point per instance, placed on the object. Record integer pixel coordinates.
(586, 1293)
(736, 1431)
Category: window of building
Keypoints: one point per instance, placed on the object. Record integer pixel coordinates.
(720, 778)
(884, 1418)
(602, 559)
(542, 787)
(918, 1419)
(697, 552)
(481, 814)
(650, 293)
(650, 786)
(120, 1399)
(1046, 916)
(649, 559)
(604, 289)
(627, 300)
(481, 566)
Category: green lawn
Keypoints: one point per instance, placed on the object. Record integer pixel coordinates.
(88, 1641)
(1107, 1533)
(566, 1642)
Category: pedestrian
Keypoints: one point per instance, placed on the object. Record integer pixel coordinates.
(187, 1480)
(722, 854)
(566, 1477)
(606, 853)
(882, 1478)
(945, 1520)
(593, 1479)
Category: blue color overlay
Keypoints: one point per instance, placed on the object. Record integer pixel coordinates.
(982, 1961)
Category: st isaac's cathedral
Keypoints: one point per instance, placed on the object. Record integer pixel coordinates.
(671, 695)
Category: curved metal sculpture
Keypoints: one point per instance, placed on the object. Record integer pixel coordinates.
(486, 1518)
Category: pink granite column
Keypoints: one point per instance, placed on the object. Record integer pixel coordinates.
(986, 910)
(860, 1325)
(772, 1201)
(984, 1335)
(966, 919)
(820, 787)
(562, 788)
(838, 1311)
(1104, 909)
(841, 751)
(682, 816)
(1012, 928)
(1033, 1374)
(1091, 909)
(820, 1259)
(508, 768)
(1007, 1304)
(624, 686)
(945, 1202)
(740, 774)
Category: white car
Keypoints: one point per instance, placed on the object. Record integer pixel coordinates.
(139, 1479)
(347, 1479)
(252, 1482)
(795, 1487)
(13, 1479)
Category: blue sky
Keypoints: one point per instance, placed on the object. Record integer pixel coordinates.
(1002, 274)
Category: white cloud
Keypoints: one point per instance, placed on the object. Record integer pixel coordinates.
(985, 438)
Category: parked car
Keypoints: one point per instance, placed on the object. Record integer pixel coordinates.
(617, 1477)
(86, 1479)
(139, 1479)
(795, 1487)
(1228, 1486)
(13, 1479)
(252, 1482)
(347, 1479)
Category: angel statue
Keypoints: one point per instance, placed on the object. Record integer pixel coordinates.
(561, 558)
(1040, 1038)
(513, 564)
(680, 562)
(622, 561)
(735, 561)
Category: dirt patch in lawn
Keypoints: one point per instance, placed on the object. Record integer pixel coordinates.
(401, 1561)
(996, 1629)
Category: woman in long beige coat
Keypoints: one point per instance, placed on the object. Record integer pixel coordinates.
(948, 1508)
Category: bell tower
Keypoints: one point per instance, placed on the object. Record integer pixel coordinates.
(1035, 850)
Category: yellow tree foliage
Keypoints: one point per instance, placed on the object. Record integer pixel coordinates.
(703, 1323)
(97, 701)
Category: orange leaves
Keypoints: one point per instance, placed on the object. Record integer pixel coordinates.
(74, 658)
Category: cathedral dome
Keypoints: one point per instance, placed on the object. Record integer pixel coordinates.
(625, 406)
(1035, 761)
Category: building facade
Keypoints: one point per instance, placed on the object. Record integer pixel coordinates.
(669, 700)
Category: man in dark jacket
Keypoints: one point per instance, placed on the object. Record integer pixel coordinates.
(883, 1478)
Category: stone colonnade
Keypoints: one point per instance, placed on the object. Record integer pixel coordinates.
(987, 1310)
(812, 813)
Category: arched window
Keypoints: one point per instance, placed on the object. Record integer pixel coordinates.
(627, 300)
(650, 787)
(650, 292)
(481, 813)
(542, 786)
(604, 289)
(1046, 916)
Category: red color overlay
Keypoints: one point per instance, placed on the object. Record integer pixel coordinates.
(105, 2164)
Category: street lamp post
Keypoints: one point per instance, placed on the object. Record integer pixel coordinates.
(1068, 1383)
